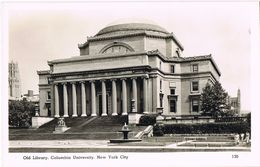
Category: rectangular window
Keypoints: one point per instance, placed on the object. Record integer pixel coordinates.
(172, 68)
(48, 95)
(195, 68)
(172, 91)
(195, 105)
(195, 86)
(173, 106)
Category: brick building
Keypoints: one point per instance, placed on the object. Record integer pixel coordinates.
(124, 62)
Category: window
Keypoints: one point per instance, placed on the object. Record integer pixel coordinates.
(172, 68)
(195, 68)
(116, 49)
(160, 65)
(160, 84)
(195, 105)
(48, 95)
(195, 86)
(172, 106)
(172, 91)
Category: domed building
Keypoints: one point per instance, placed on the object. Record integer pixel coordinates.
(125, 67)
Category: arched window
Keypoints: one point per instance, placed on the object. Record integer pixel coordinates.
(117, 47)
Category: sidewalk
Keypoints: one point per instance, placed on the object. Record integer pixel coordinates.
(104, 146)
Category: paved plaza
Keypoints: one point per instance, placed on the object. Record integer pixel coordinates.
(105, 146)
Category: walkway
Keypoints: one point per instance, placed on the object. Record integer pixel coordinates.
(104, 146)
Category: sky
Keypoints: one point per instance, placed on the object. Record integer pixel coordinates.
(39, 32)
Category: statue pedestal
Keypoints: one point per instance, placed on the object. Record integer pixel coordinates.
(61, 127)
(133, 118)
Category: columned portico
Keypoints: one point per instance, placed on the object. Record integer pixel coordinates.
(65, 100)
(108, 101)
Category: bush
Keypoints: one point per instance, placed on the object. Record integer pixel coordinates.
(206, 128)
(146, 120)
(157, 130)
(20, 113)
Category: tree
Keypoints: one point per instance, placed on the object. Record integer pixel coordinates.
(214, 100)
(20, 113)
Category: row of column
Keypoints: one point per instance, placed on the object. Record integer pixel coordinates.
(93, 98)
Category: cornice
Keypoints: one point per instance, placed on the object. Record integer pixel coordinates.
(136, 68)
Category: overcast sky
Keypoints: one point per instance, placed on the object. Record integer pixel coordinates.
(41, 32)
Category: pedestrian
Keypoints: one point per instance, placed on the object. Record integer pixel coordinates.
(247, 138)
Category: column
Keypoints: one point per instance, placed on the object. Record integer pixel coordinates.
(124, 97)
(114, 98)
(74, 100)
(93, 99)
(65, 100)
(149, 95)
(145, 95)
(83, 99)
(104, 99)
(134, 89)
(57, 108)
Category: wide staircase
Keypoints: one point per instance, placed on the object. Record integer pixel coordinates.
(90, 128)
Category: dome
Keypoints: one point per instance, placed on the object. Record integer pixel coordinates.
(135, 25)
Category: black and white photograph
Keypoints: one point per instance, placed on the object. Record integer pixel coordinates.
(130, 83)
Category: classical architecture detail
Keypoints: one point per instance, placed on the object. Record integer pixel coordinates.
(122, 64)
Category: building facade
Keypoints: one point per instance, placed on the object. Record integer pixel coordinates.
(235, 103)
(14, 81)
(126, 62)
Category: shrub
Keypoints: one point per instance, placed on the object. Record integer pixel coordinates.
(146, 120)
(206, 128)
(20, 113)
(157, 130)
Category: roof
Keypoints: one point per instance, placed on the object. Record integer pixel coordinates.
(186, 59)
(43, 72)
(132, 27)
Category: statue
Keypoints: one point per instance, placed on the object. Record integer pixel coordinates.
(61, 126)
(61, 122)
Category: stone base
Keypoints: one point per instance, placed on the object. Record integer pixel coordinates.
(39, 121)
(124, 140)
(133, 118)
(61, 129)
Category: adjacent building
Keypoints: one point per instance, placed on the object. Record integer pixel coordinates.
(235, 103)
(30, 96)
(14, 81)
(122, 63)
